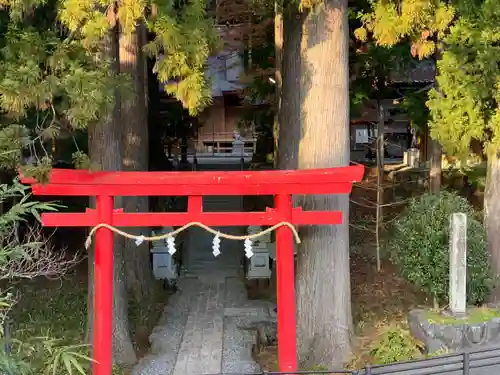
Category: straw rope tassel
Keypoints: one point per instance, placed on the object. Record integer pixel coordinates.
(139, 239)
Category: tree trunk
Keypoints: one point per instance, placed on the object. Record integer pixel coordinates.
(380, 177)
(140, 282)
(318, 124)
(491, 214)
(435, 170)
(278, 57)
(105, 149)
(278, 63)
(434, 148)
(289, 112)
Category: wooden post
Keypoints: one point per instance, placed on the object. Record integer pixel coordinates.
(287, 348)
(103, 289)
(458, 264)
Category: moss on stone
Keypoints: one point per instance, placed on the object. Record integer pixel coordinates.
(475, 315)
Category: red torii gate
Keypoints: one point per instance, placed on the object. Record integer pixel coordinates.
(107, 185)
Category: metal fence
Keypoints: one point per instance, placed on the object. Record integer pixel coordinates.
(478, 362)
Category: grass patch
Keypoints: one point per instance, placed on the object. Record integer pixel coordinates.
(58, 309)
(55, 308)
(476, 315)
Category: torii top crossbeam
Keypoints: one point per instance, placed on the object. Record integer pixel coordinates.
(85, 183)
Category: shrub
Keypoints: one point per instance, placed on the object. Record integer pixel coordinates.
(27, 257)
(419, 246)
(395, 344)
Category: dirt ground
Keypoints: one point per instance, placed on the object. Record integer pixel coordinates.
(379, 299)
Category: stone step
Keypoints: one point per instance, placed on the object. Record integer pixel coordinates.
(204, 273)
(201, 348)
(241, 367)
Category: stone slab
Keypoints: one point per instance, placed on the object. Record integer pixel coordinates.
(194, 336)
(453, 337)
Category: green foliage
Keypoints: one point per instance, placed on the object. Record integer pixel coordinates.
(466, 106)
(467, 33)
(373, 64)
(58, 75)
(48, 83)
(58, 79)
(419, 246)
(418, 113)
(421, 21)
(477, 315)
(184, 37)
(18, 212)
(395, 344)
(47, 356)
(26, 259)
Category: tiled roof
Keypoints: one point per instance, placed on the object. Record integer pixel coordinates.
(423, 72)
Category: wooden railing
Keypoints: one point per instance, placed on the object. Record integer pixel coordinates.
(222, 143)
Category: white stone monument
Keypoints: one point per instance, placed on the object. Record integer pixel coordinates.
(458, 264)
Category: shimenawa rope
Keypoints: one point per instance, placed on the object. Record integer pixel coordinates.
(142, 238)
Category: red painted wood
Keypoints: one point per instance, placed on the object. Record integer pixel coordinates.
(285, 288)
(188, 190)
(195, 185)
(133, 219)
(195, 204)
(219, 178)
(103, 290)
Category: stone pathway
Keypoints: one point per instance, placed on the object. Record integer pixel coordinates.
(208, 326)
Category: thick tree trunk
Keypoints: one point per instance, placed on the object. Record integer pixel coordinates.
(315, 134)
(491, 215)
(140, 282)
(278, 63)
(290, 111)
(105, 148)
(278, 56)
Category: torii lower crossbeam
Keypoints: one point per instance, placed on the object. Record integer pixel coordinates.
(281, 184)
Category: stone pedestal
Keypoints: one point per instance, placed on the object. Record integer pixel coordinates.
(453, 337)
(238, 147)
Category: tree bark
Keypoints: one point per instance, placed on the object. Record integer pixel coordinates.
(134, 120)
(491, 214)
(380, 177)
(278, 57)
(435, 168)
(105, 149)
(315, 109)
(289, 116)
(434, 148)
